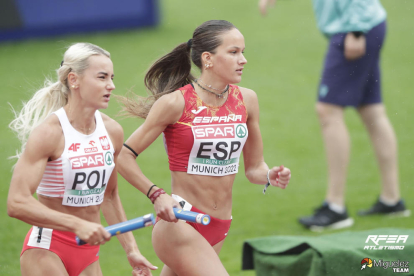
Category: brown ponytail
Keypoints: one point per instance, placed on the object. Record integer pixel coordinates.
(173, 70)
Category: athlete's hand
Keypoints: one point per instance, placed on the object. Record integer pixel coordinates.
(92, 233)
(263, 4)
(354, 47)
(279, 176)
(164, 205)
(140, 265)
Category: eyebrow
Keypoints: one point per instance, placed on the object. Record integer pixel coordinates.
(106, 74)
(235, 47)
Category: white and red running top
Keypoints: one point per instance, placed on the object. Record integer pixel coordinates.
(80, 175)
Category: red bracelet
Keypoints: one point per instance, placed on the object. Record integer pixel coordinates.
(156, 194)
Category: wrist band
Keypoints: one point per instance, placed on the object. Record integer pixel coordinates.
(150, 189)
(133, 151)
(156, 194)
(268, 182)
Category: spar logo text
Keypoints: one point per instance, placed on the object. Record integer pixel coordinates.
(87, 161)
(214, 132)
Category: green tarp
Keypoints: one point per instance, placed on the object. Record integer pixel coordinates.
(329, 255)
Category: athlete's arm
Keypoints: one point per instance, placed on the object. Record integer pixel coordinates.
(112, 206)
(255, 167)
(43, 143)
(165, 111)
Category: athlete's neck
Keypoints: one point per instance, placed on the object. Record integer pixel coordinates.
(207, 97)
(81, 118)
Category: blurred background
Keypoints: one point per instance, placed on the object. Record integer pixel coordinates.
(284, 51)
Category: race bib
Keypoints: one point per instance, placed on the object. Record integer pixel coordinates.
(82, 198)
(88, 179)
(216, 149)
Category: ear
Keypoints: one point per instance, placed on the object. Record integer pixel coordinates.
(206, 57)
(73, 79)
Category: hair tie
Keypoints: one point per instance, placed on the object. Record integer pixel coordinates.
(189, 43)
(61, 64)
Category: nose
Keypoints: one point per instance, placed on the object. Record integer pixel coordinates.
(110, 85)
(243, 60)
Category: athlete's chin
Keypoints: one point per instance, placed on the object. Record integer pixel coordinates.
(103, 106)
(236, 79)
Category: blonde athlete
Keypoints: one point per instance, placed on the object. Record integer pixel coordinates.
(69, 160)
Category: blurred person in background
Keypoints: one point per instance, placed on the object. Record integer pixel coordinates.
(206, 124)
(68, 158)
(351, 78)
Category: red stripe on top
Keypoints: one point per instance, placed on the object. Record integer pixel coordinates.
(52, 183)
(52, 179)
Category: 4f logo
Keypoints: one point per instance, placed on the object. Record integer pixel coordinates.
(74, 147)
(92, 143)
(104, 143)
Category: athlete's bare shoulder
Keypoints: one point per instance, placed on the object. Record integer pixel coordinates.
(250, 100)
(173, 100)
(169, 108)
(247, 93)
(50, 129)
(110, 124)
(47, 138)
(113, 128)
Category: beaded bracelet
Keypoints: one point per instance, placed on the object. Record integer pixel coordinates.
(156, 194)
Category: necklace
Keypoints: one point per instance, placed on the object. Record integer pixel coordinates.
(209, 86)
(220, 95)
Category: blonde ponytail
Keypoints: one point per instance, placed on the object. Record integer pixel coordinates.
(45, 101)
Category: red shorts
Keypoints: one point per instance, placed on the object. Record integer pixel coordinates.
(74, 257)
(214, 232)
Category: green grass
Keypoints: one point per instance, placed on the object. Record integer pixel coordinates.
(285, 53)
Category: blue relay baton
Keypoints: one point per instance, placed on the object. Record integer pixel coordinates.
(126, 226)
(192, 216)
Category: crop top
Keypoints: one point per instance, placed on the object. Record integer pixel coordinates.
(80, 175)
(207, 140)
